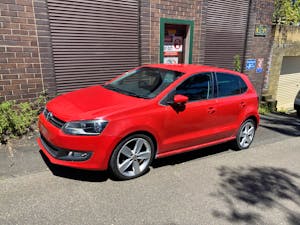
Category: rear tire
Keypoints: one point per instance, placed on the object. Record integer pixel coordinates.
(245, 135)
(298, 113)
(132, 157)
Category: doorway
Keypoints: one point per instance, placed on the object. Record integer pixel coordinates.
(176, 41)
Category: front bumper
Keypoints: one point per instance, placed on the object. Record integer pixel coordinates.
(93, 152)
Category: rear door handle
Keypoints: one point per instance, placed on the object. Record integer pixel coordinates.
(211, 110)
(243, 104)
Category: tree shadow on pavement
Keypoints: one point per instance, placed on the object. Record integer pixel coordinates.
(192, 155)
(75, 174)
(263, 188)
(286, 125)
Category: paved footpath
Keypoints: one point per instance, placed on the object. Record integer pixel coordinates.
(210, 186)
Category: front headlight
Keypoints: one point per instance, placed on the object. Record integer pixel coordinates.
(84, 127)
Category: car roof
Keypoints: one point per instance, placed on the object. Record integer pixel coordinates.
(190, 68)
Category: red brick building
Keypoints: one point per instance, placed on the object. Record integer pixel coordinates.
(58, 46)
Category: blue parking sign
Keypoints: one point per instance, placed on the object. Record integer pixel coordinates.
(250, 64)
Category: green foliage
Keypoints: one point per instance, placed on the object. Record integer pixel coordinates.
(237, 63)
(286, 12)
(264, 109)
(16, 119)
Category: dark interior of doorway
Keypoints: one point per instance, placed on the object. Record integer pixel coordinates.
(181, 31)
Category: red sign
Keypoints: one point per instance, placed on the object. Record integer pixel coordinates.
(170, 53)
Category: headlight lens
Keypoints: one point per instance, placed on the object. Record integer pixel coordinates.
(85, 127)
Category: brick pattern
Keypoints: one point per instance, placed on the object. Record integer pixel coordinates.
(20, 71)
(153, 10)
(259, 47)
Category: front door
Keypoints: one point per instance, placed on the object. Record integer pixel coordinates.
(193, 123)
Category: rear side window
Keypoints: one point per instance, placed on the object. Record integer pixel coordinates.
(229, 84)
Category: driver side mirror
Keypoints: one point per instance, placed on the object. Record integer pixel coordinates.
(180, 99)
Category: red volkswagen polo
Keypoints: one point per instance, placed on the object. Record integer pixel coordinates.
(150, 112)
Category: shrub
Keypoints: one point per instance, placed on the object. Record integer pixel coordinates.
(287, 12)
(16, 119)
(237, 63)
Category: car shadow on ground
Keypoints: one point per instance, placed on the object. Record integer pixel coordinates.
(192, 155)
(285, 124)
(75, 174)
(265, 188)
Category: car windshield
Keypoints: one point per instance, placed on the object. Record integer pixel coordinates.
(145, 82)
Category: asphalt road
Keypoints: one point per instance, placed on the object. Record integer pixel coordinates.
(215, 185)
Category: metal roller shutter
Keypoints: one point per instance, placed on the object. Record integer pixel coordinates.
(226, 25)
(93, 41)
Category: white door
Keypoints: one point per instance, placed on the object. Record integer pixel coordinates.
(289, 82)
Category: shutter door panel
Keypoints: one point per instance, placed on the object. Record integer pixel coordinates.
(226, 25)
(288, 88)
(93, 41)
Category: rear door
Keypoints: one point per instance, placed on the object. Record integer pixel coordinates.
(231, 103)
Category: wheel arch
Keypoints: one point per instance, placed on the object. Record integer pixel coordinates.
(254, 118)
(147, 133)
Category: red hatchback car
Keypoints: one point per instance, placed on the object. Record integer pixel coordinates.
(150, 112)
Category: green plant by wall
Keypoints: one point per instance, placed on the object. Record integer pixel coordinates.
(264, 109)
(237, 63)
(287, 12)
(16, 119)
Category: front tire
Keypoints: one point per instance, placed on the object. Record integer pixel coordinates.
(245, 135)
(132, 157)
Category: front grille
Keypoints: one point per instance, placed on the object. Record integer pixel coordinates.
(53, 120)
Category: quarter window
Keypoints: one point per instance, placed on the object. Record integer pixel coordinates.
(229, 84)
(197, 87)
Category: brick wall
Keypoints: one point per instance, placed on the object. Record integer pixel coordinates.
(20, 70)
(153, 10)
(259, 47)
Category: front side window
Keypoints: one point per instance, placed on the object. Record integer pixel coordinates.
(145, 82)
(229, 84)
(197, 87)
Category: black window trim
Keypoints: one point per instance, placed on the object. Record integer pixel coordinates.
(212, 75)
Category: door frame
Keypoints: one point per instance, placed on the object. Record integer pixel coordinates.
(163, 21)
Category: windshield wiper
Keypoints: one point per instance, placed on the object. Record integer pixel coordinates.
(110, 87)
(133, 94)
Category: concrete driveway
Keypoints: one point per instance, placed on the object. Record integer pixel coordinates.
(210, 186)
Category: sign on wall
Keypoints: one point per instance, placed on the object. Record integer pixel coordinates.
(259, 68)
(260, 30)
(250, 64)
(170, 60)
(173, 44)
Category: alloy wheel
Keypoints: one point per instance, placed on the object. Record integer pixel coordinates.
(246, 134)
(134, 157)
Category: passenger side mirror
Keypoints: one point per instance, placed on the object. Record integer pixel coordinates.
(180, 99)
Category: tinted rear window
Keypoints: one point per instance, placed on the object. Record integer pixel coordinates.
(229, 84)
